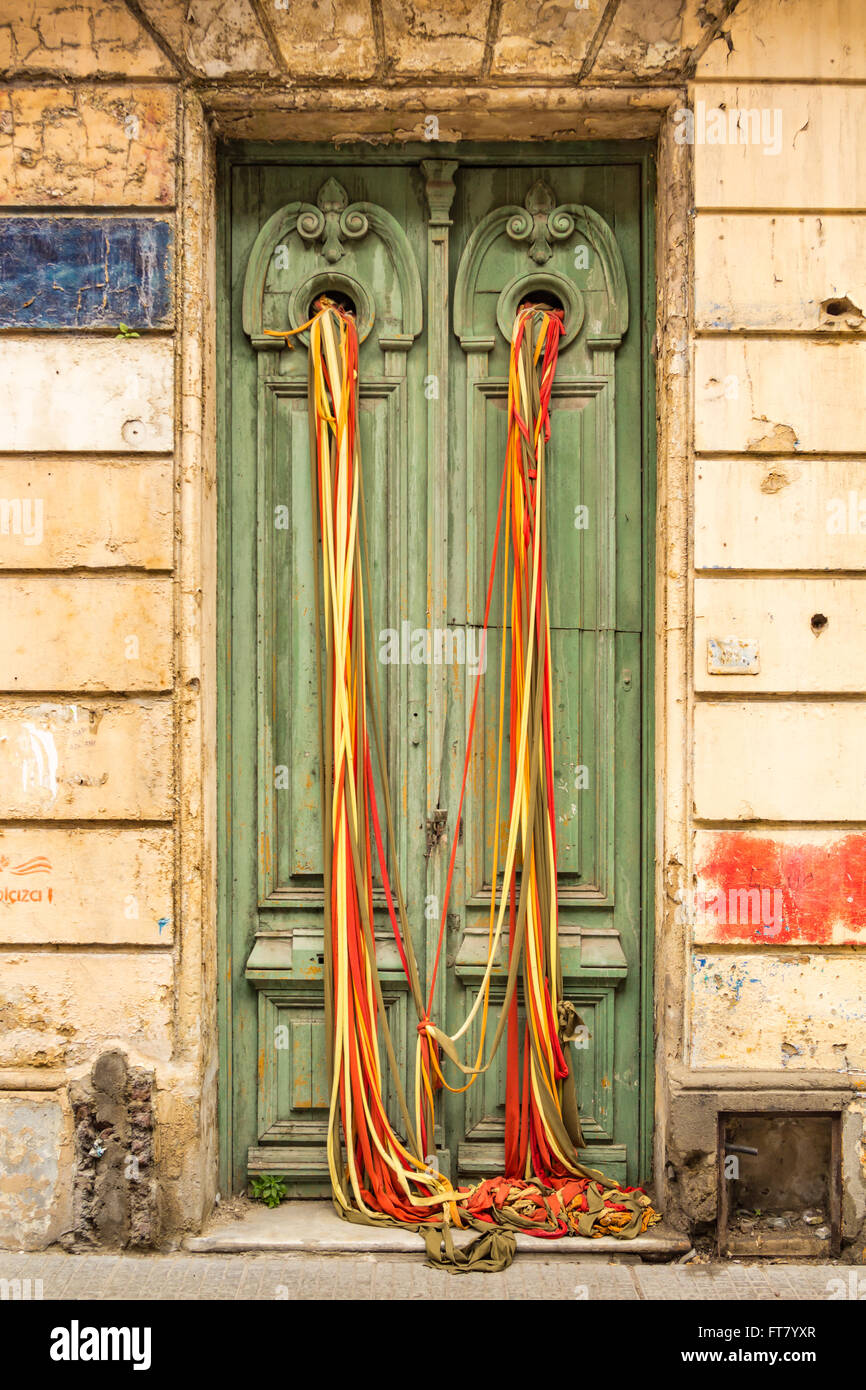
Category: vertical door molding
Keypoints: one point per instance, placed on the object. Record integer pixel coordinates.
(439, 189)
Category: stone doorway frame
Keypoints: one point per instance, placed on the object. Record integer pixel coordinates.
(347, 116)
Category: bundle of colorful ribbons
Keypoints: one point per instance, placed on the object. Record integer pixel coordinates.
(378, 1166)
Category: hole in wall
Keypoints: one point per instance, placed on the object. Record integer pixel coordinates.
(780, 1185)
(818, 623)
(841, 311)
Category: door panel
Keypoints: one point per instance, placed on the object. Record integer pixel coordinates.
(519, 234)
(435, 255)
(291, 827)
(350, 231)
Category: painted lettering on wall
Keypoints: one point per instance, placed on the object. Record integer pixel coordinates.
(28, 873)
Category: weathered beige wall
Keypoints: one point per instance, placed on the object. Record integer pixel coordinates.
(779, 371)
(90, 944)
(35, 1162)
(87, 146)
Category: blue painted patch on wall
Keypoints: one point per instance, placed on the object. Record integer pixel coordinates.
(85, 272)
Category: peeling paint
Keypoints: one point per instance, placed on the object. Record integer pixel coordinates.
(777, 437)
(804, 1013)
(822, 885)
(39, 760)
(84, 272)
(774, 481)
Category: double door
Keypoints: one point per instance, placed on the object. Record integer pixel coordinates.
(434, 254)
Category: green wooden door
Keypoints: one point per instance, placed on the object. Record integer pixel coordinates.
(435, 255)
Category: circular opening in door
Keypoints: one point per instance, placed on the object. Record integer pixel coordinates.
(544, 299)
(341, 289)
(541, 288)
(339, 297)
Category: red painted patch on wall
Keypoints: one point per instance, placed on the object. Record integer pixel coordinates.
(821, 885)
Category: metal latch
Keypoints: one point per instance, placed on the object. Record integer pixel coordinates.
(436, 823)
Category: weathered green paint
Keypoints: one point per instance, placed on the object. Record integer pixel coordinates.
(433, 461)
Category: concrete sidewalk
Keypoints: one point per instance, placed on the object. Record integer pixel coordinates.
(390, 1277)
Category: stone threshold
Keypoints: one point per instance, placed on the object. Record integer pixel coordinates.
(314, 1228)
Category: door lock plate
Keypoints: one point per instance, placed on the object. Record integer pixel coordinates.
(436, 823)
